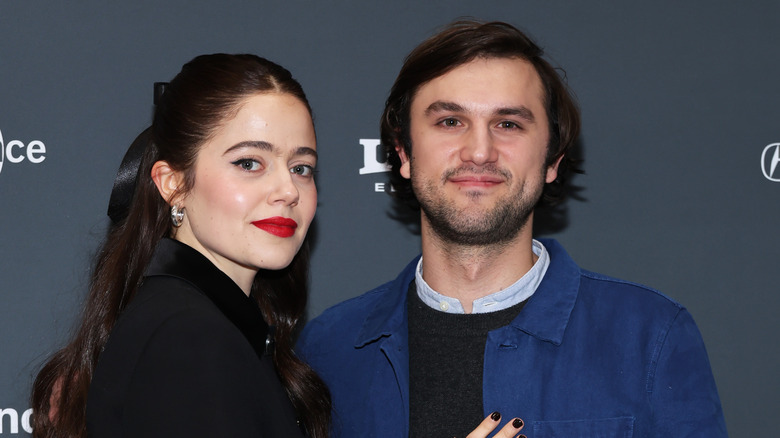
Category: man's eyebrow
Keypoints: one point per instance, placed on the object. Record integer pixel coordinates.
(442, 106)
(520, 111)
(264, 145)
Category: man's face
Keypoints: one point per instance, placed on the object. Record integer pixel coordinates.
(479, 139)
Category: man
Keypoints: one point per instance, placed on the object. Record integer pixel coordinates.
(479, 129)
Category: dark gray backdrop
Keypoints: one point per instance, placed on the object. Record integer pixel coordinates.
(679, 102)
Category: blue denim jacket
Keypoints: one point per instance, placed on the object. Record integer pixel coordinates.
(588, 356)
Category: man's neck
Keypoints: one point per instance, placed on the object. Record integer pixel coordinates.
(467, 273)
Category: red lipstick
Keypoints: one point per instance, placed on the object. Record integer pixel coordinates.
(278, 226)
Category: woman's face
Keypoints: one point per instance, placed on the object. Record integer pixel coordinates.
(254, 195)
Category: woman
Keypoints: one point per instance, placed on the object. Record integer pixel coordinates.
(188, 326)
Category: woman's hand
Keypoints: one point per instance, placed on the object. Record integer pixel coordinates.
(510, 430)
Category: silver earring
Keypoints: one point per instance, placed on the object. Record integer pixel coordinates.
(177, 215)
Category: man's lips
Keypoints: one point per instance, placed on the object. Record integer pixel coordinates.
(278, 226)
(476, 180)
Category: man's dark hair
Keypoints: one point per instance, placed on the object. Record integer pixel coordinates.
(457, 44)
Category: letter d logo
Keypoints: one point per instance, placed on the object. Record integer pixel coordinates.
(370, 162)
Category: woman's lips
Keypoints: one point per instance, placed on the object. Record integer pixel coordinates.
(278, 226)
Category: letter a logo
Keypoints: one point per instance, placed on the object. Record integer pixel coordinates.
(769, 159)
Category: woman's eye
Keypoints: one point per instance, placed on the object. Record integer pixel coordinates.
(302, 169)
(247, 164)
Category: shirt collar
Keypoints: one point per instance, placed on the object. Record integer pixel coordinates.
(545, 315)
(516, 293)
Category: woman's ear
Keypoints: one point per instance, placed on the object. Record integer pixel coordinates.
(167, 181)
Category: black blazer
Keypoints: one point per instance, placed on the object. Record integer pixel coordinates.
(186, 359)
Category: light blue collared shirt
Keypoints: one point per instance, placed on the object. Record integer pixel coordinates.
(518, 292)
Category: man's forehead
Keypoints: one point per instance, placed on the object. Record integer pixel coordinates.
(484, 83)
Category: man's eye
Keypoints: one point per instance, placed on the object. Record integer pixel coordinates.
(449, 122)
(302, 169)
(509, 125)
(247, 164)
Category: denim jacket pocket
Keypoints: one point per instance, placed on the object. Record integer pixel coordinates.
(620, 427)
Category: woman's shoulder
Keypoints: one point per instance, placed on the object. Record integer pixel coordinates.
(172, 350)
(168, 306)
(169, 325)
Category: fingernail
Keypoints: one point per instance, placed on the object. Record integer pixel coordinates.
(495, 416)
(521, 436)
(517, 423)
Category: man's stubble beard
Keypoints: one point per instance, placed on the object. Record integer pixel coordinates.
(490, 226)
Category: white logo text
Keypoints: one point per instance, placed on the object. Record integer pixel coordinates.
(13, 420)
(15, 151)
(371, 151)
(769, 159)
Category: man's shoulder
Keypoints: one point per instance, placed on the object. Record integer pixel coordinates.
(353, 311)
(602, 286)
(596, 286)
(359, 320)
(386, 297)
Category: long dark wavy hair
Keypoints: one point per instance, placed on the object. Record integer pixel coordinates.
(208, 91)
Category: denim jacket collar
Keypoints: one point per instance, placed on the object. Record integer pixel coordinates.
(545, 316)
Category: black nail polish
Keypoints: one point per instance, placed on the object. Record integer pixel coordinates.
(495, 416)
(517, 423)
(521, 436)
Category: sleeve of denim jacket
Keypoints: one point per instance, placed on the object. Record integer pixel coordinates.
(683, 395)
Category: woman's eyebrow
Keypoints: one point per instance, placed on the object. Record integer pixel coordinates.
(305, 150)
(264, 145)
